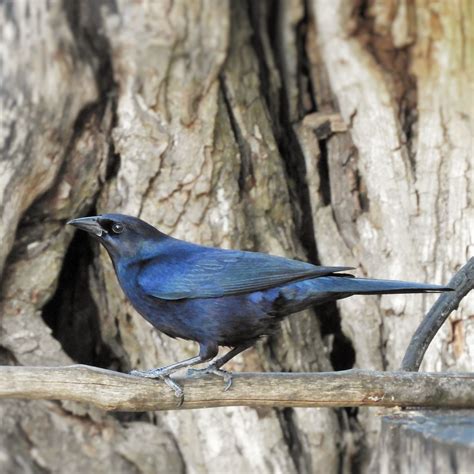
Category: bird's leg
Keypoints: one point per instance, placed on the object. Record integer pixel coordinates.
(167, 369)
(215, 367)
(206, 352)
(163, 373)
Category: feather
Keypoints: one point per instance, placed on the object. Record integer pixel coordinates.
(194, 271)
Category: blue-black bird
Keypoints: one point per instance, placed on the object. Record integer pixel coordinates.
(214, 296)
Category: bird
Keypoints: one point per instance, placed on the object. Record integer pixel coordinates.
(218, 297)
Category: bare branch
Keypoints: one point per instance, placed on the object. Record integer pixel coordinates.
(115, 391)
(462, 282)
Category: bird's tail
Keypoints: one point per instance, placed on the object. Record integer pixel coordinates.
(368, 286)
(299, 295)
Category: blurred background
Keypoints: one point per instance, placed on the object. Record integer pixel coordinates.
(334, 131)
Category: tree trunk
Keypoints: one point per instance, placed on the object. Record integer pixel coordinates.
(337, 132)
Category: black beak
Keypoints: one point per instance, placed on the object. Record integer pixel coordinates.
(89, 224)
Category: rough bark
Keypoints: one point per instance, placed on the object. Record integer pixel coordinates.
(210, 120)
(426, 442)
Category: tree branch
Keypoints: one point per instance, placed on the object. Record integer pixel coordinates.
(115, 391)
(462, 282)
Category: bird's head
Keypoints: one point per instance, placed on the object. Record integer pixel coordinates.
(121, 235)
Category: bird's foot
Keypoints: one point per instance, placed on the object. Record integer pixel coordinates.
(212, 369)
(163, 375)
(151, 373)
(178, 390)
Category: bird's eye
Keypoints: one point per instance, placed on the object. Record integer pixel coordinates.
(117, 228)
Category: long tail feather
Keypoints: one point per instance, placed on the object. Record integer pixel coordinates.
(367, 286)
(299, 295)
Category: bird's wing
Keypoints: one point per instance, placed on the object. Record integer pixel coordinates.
(203, 272)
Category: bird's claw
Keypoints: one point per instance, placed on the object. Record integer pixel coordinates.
(178, 390)
(228, 381)
(163, 375)
(227, 376)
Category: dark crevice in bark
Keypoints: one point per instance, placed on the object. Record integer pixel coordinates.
(383, 349)
(357, 456)
(353, 451)
(131, 416)
(342, 353)
(323, 170)
(409, 118)
(285, 135)
(307, 94)
(307, 102)
(113, 162)
(246, 174)
(361, 192)
(300, 457)
(72, 314)
(6, 356)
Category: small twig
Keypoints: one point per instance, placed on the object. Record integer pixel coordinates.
(462, 282)
(114, 391)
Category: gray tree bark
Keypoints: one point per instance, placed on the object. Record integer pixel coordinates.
(338, 132)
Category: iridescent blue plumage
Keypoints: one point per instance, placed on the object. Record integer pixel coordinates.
(218, 297)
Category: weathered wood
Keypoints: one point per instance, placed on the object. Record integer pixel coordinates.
(409, 120)
(463, 282)
(430, 442)
(121, 392)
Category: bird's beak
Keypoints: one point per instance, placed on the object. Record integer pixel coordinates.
(89, 224)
